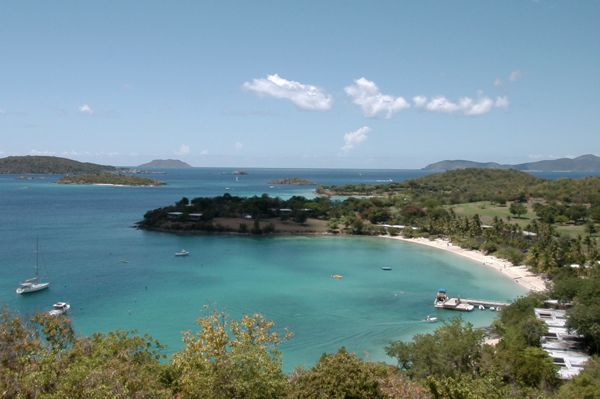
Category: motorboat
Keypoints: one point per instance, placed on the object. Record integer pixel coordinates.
(33, 284)
(431, 319)
(183, 252)
(481, 307)
(386, 268)
(59, 308)
(337, 276)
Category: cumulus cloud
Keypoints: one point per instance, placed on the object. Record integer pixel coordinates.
(502, 102)
(465, 105)
(515, 75)
(353, 138)
(366, 94)
(86, 109)
(304, 96)
(184, 149)
(498, 82)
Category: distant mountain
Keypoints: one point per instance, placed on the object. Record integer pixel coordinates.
(49, 165)
(165, 164)
(584, 163)
(443, 166)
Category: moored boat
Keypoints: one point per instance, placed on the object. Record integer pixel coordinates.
(183, 252)
(59, 308)
(33, 284)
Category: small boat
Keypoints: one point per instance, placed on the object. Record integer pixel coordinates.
(59, 308)
(32, 284)
(481, 307)
(183, 252)
(337, 276)
(386, 268)
(431, 319)
(492, 308)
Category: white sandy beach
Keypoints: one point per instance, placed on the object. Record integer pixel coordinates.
(519, 274)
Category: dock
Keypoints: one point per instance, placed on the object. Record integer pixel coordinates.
(442, 301)
(487, 304)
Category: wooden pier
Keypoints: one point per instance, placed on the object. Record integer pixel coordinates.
(487, 304)
(442, 301)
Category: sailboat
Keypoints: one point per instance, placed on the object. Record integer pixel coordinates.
(33, 284)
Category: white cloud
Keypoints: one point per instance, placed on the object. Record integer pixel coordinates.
(366, 94)
(238, 146)
(515, 75)
(465, 105)
(304, 96)
(420, 101)
(2, 111)
(184, 149)
(502, 102)
(86, 109)
(498, 82)
(204, 152)
(353, 138)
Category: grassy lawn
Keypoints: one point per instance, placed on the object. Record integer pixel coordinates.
(487, 211)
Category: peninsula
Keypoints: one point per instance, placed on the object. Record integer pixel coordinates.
(111, 179)
(49, 165)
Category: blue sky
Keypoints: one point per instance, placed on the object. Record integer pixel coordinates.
(386, 84)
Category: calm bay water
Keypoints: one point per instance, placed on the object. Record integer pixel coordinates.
(118, 277)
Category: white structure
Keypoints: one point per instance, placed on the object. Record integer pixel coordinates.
(562, 345)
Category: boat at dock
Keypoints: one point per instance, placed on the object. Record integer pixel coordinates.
(442, 301)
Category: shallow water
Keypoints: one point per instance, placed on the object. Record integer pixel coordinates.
(118, 277)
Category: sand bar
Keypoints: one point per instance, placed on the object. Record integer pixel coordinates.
(519, 274)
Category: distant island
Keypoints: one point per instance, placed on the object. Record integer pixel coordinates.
(297, 181)
(110, 179)
(165, 164)
(584, 163)
(49, 165)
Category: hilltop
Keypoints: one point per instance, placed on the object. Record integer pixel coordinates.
(49, 165)
(165, 164)
(584, 163)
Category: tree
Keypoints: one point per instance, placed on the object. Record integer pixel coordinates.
(338, 376)
(452, 349)
(517, 209)
(230, 359)
(584, 386)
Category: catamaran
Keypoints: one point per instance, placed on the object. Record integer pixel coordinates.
(33, 284)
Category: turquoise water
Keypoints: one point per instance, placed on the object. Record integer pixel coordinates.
(85, 233)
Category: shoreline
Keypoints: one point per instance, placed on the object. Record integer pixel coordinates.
(518, 274)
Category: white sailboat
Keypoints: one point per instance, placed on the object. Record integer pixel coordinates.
(33, 284)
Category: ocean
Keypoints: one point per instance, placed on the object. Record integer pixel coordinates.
(118, 277)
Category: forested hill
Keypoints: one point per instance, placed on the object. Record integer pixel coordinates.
(584, 163)
(48, 165)
(469, 185)
(442, 166)
(165, 163)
